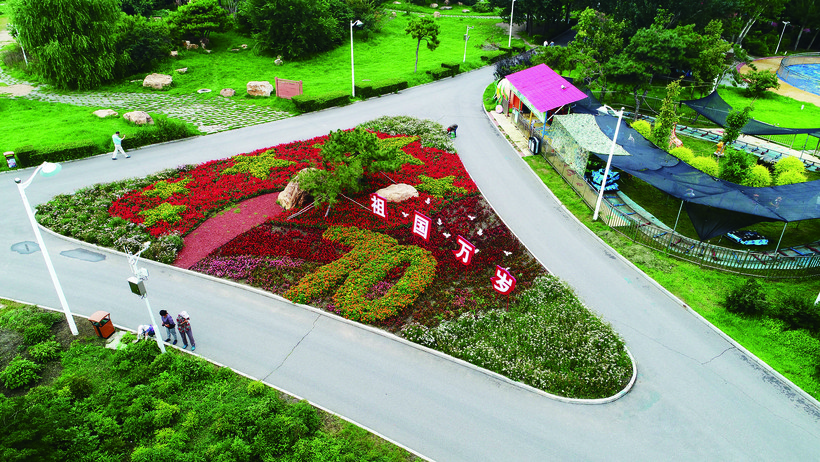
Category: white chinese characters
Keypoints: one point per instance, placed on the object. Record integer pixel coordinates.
(466, 252)
(378, 205)
(421, 225)
(503, 281)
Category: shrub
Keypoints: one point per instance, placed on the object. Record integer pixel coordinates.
(371, 89)
(790, 177)
(432, 133)
(59, 153)
(315, 103)
(747, 298)
(141, 45)
(798, 312)
(45, 351)
(706, 165)
(36, 334)
(196, 20)
(162, 130)
(789, 164)
(758, 176)
(736, 165)
(683, 153)
(257, 388)
(80, 386)
(20, 372)
(643, 127)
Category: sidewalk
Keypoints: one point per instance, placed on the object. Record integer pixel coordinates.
(513, 134)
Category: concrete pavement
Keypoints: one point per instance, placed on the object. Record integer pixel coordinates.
(697, 397)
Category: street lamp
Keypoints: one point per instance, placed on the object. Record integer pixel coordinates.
(608, 162)
(512, 10)
(466, 37)
(137, 284)
(355, 23)
(46, 169)
(785, 23)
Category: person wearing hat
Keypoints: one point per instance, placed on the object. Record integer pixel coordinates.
(184, 326)
(118, 146)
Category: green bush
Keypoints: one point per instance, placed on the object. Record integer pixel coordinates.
(747, 298)
(371, 89)
(315, 103)
(44, 352)
(758, 177)
(643, 127)
(683, 153)
(789, 177)
(798, 312)
(789, 164)
(20, 372)
(58, 153)
(80, 386)
(706, 165)
(736, 165)
(36, 334)
(441, 73)
(162, 130)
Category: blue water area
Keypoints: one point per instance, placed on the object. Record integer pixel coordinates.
(805, 77)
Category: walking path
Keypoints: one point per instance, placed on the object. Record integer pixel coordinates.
(698, 396)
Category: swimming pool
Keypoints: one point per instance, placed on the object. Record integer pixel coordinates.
(801, 71)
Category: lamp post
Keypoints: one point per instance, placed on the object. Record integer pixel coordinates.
(512, 10)
(467, 37)
(785, 23)
(355, 23)
(138, 288)
(46, 169)
(608, 163)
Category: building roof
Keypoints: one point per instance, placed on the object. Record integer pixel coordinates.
(544, 88)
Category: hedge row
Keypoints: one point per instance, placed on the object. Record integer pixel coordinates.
(161, 131)
(371, 89)
(307, 103)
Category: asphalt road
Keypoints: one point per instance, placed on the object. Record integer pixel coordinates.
(697, 396)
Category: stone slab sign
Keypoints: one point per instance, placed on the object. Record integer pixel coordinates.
(138, 117)
(157, 81)
(288, 88)
(259, 88)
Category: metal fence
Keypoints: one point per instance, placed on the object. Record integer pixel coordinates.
(774, 265)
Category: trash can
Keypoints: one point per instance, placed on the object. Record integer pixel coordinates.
(10, 160)
(101, 321)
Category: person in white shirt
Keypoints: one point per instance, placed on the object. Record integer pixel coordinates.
(118, 146)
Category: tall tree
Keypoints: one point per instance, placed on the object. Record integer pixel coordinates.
(598, 39)
(710, 54)
(72, 39)
(668, 117)
(196, 20)
(753, 10)
(804, 13)
(423, 29)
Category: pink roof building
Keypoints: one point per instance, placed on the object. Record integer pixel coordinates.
(541, 89)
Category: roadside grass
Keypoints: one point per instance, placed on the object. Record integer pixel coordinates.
(84, 387)
(406, 6)
(41, 124)
(795, 354)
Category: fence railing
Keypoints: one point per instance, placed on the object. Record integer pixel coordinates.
(756, 263)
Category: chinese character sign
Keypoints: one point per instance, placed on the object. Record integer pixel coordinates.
(466, 252)
(421, 225)
(378, 205)
(503, 281)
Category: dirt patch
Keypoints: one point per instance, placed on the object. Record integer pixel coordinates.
(17, 90)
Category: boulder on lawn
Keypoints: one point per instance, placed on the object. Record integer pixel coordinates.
(182, 71)
(105, 113)
(138, 117)
(259, 88)
(227, 92)
(293, 196)
(174, 54)
(157, 81)
(436, 14)
(398, 192)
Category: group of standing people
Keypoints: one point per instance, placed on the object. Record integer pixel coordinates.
(182, 323)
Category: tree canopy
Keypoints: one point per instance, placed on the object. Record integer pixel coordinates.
(71, 39)
(196, 20)
(423, 29)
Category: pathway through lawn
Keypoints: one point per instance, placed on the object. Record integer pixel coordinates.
(221, 228)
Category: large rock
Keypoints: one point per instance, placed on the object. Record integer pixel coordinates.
(105, 113)
(294, 197)
(227, 92)
(259, 88)
(138, 117)
(157, 81)
(398, 192)
(436, 14)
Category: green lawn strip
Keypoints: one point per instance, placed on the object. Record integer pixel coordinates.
(135, 401)
(405, 6)
(325, 72)
(704, 290)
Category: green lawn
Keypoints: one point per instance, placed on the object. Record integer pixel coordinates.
(793, 353)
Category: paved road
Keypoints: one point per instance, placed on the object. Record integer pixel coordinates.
(697, 397)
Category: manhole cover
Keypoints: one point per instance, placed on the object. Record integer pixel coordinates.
(25, 247)
(82, 254)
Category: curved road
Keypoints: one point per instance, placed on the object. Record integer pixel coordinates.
(697, 396)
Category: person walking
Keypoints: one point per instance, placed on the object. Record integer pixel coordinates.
(168, 322)
(118, 146)
(184, 326)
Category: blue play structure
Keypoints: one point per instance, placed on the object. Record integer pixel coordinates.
(596, 176)
(748, 237)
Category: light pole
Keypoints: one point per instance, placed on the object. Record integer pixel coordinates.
(608, 163)
(467, 37)
(512, 10)
(355, 23)
(785, 23)
(46, 169)
(137, 284)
